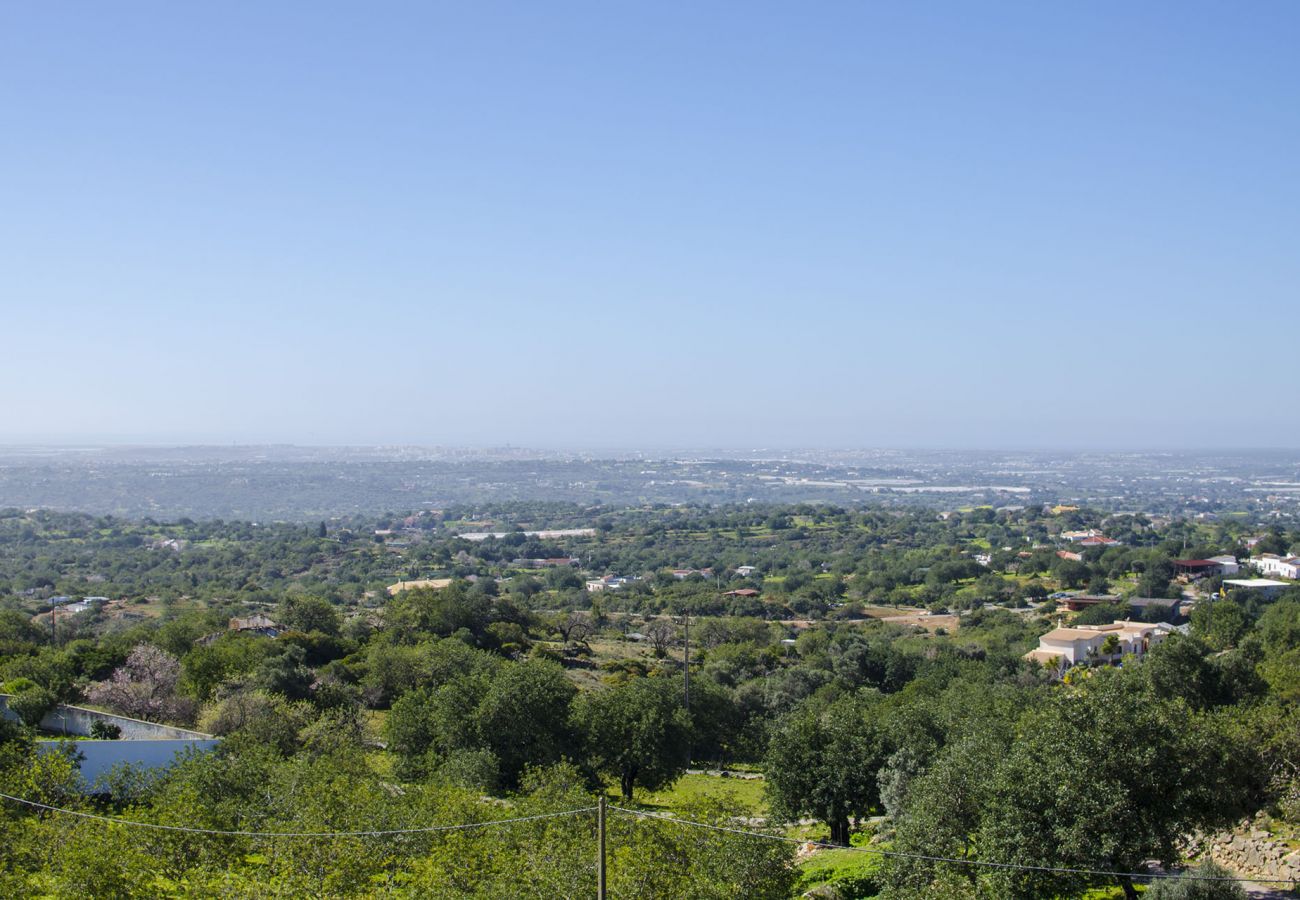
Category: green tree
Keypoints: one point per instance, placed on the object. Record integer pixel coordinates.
(1220, 623)
(1103, 777)
(1071, 573)
(393, 669)
(307, 614)
(717, 721)
(943, 812)
(1177, 668)
(523, 718)
(636, 732)
(1110, 645)
(429, 724)
(1157, 579)
(1279, 627)
(208, 666)
(422, 612)
(29, 701)
(18, 634)
(823, 761)
(286, 673)
(1101, 614)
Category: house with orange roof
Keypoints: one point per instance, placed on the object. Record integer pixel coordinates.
(1064, 647)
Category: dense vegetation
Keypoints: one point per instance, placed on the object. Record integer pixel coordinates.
(513, 690)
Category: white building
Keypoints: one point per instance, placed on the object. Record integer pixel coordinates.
(1228, 565)
(610, 583)
(1061, 648)
(1268, 586)
(1277, 566)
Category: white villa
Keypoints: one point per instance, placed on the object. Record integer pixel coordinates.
(1063, 647)
(1277, 566)
(610, 582)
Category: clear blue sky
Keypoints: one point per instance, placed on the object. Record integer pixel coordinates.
(651, 224)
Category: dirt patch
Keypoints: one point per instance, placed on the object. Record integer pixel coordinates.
(924, 620)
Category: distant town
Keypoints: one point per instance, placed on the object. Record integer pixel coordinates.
(303, 483)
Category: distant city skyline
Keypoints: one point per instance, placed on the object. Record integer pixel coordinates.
(583, 226)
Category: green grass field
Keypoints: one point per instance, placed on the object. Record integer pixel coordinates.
(841, 867)
(744, 797)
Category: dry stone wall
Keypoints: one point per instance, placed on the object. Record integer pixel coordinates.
(1251, 851)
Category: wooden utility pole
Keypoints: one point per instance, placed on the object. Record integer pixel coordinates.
(686, 669)
(600, 848)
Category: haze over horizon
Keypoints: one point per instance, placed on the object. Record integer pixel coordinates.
(144, 448)
(1010, 226)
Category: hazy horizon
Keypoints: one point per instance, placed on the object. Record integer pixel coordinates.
(865, 225)
(91, 444)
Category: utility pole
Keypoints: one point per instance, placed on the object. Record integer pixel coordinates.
(600, 848)
(686, 669)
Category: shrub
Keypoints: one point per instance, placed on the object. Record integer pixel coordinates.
(1185, 888)
(32, 704)
(105, 731)
(474, 769)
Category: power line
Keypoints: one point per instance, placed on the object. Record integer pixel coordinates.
(948, 859)
(114, 820)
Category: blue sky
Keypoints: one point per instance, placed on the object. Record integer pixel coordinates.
(629, 224)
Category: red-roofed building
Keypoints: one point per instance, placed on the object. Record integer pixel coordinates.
(1098, 540)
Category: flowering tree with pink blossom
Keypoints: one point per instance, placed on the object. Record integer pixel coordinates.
(145, 687)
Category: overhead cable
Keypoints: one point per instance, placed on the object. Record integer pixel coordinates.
(387, 832)
(948, 859)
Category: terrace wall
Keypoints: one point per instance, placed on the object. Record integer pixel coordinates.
(77, 720)
(143, 744)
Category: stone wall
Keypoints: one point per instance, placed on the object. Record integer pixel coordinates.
(1249, 850)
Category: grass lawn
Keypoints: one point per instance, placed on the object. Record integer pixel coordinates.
(857, 873)
(744, 797)
(375, 720)
(382, 762)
